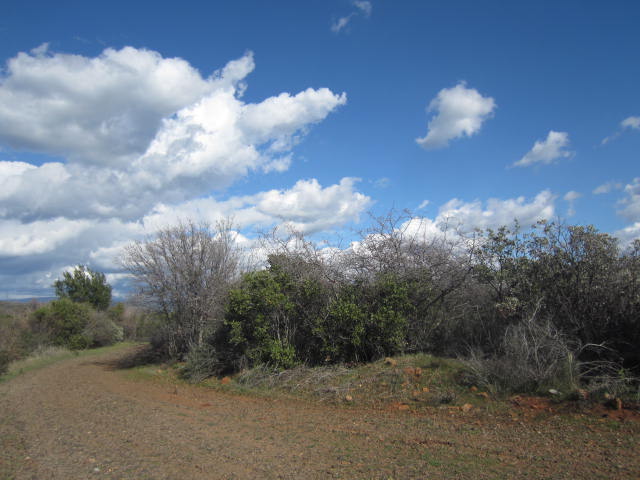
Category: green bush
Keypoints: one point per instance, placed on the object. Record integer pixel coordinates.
(366, 321)
(63, 321)
(260, 320)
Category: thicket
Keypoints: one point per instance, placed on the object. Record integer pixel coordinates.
(547, 306)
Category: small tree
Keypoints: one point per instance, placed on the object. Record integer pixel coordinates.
(84, 285)
(183, 274)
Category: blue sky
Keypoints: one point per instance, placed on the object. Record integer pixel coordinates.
(113, 123)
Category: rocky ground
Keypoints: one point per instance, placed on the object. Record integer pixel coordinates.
(85, 418)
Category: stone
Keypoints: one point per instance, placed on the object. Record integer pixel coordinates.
(409, 371)
(225, 381)
(403, 406)
(348, 398)
(484, 395)
(417, 372)
(425, 389)
(466, 407)
(390, 361)
(474, 389)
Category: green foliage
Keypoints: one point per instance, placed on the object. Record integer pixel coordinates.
(260, 321)
(366, 321)
(274, 319)
(84, 285)
(64, 322)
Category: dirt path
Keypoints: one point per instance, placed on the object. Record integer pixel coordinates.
(81, 419)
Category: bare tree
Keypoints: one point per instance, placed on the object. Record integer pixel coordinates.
(183, 273)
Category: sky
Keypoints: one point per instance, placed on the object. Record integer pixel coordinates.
(120, 118)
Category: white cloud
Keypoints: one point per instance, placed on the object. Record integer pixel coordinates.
(18, 239)
(457, 219)
(207, 144)
(571, 197)
(339, 24)
(459, 112)
(382, 182)
(143, 140)
(607, 187)
(364, 6)
(93, 110)
(547, 151)
(307, 207)
(423, 204)
(628, 234)
(631, 122)
(631, 203)
(310, 208)
(495, 212)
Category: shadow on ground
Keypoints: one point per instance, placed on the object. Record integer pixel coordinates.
(136, 357)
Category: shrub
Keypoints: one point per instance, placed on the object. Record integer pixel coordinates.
(535, 356)
(260, 320)
(202, 362)
(64, 322)
(4, 361)
(101, 330)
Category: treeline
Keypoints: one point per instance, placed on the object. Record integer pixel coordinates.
(549, 305)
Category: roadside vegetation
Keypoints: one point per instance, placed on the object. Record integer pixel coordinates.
(82, 317)
(550, 308)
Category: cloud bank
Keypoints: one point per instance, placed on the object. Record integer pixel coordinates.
(129, 137)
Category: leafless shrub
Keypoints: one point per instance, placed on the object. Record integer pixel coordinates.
(183, 274)
(535, 356)
(102, 330)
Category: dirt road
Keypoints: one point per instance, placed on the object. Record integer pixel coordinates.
(83, 419)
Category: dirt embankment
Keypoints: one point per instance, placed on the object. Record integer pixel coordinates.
(82, 419)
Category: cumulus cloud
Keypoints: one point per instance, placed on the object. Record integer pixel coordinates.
(184, 144)
(547, 151)
(94, 110)
(139, 137)
(458, 112)
(495, 212)
(307, 207)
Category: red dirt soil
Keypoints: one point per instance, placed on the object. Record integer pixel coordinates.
(83, 418)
